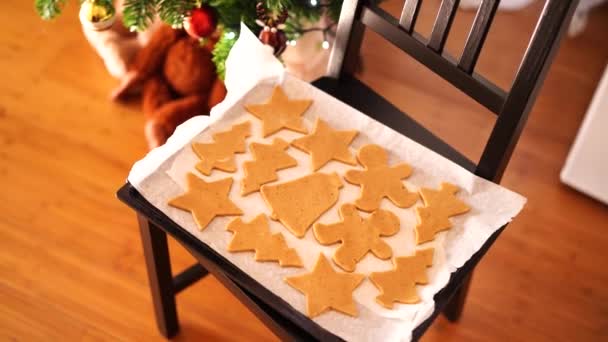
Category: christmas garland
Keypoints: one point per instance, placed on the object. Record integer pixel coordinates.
(277, 22)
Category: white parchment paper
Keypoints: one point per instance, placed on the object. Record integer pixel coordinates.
(252, 72)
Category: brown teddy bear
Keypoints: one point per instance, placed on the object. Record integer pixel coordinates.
(177, 80)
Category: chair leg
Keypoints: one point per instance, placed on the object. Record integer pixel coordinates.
(453, 311)
(158, 264)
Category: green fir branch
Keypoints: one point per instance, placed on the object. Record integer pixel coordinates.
(138, 14)
(173, 12)
(232, 12)
(333, 9)
(221, 50)
(49, 9)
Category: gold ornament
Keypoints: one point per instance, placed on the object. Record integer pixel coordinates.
(97, 15)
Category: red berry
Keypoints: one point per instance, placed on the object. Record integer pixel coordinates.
(201, 22)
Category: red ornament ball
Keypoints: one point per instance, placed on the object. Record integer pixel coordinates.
(201, 22)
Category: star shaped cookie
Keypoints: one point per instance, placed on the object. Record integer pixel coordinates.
(206, 200)
(280, 112)
(327, 289)
(325, 144)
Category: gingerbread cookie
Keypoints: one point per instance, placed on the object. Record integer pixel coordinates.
(256, 236)
(280, 112)
(299, 202)
(325, 144)
(220, 153)
(379, 180)
(358, 235)
(263, 168)
(206, 200)
(399, 284)
(327, 289)
(439, 206)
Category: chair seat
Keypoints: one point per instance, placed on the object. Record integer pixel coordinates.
(278, 315)
(361, 97)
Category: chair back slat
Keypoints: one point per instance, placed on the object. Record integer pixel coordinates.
(344, 39)
(443, 23)
(409, 14)
(477, 35)
(474, 85)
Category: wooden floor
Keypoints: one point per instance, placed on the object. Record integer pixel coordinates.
(71, 265)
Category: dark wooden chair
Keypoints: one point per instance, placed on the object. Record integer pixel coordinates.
(511, 107)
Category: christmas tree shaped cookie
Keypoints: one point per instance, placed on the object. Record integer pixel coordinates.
(327, 289)
(358, 235)
(299, 202)
(379, 180)
(256, 236)
(280, 112)
(439, 206)
(263, 168)
(325, 144)
(399, 284)
(220, 153)
(206, 200)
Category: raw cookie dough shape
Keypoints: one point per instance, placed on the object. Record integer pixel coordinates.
(379, 180)
(439, 207)
(358, 235)
(298, 203)
(280, 112)
(256, 236)
(263, 168)
(325, 144)
(220, 153)
(327, 289)
(399, 284)
(206, 200)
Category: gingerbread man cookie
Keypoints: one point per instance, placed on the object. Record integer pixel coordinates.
(299, 202)
(379, 180)
(280, 112)
(220, 153)
(256, 236)
(439, 206)
(325, 144)
(263, 168)
(399, 284)
(327, 289)
(358, 235)
(206, 200)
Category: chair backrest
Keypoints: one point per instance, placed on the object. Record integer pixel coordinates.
(511, 107)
